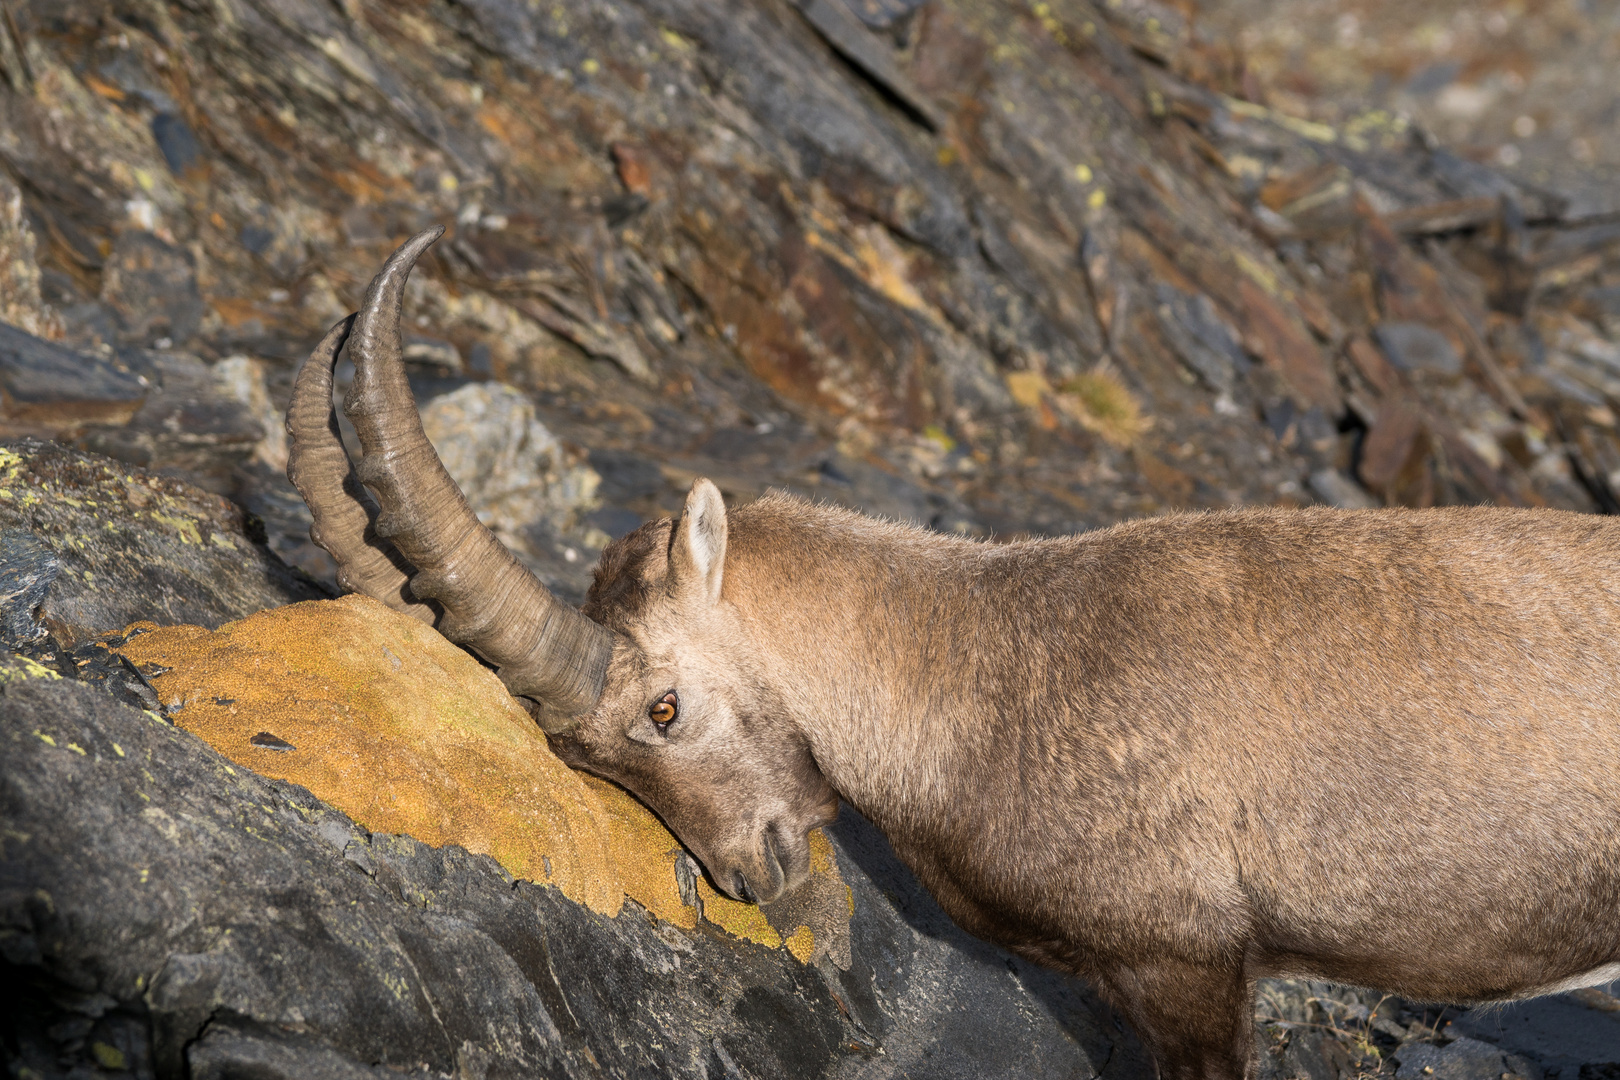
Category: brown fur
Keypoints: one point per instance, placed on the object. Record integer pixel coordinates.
(1173, 756)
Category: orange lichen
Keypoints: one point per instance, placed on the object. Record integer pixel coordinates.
(400, 730)
(802, 944)
(744, 920)
(380, 716)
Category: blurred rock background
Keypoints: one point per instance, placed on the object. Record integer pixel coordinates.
(996, 267)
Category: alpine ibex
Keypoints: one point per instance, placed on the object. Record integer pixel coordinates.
(1172, 756)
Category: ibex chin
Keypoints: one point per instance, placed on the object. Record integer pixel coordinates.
(1172, 756)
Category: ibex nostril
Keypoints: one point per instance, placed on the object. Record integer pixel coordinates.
(739, 885)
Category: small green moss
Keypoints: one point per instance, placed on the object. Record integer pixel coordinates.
(21, 667)
(109, 1057)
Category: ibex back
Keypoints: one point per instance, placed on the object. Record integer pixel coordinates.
(1173, 756)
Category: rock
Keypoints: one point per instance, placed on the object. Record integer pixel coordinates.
(1566, 1033)
(514, 472)
(242, 378)
(837, 23)
(192, 423)
(27, 569)
(135, 546)
(46, 388)
(151, 287)
(1415, 348)
(1333, 487)
(1200, 338)
(793, 239)
(881, 14)
(175, 139)
(265, 492)
(1316, 1055)
(1394, 455)
(1462, 1059)
(21, 303)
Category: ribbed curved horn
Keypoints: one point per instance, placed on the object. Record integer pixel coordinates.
(319, 468)
(543, 649)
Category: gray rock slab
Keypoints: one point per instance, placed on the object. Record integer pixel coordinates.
(1462, 1059)
(1560, 1032)
(188, 426)
(45, 387)
(132, 545)
(1413, 347)
(151, 286)
(27, 569)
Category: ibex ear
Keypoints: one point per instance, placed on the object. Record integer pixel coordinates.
(697, 552)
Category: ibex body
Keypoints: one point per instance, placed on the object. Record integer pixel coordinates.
(1172, 756)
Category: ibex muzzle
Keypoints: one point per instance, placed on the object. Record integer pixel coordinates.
(1173, 756)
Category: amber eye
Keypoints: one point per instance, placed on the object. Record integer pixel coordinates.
(664, 709)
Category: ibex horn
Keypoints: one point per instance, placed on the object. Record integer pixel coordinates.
(542, 648)
(319, 468)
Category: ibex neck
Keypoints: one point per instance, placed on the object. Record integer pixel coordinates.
(870, 636)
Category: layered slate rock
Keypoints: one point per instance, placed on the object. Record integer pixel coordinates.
(45, 386)
(713, 231)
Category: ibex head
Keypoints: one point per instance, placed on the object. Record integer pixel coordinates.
(652, 687)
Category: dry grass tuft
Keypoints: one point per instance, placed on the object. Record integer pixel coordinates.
(1101, 403)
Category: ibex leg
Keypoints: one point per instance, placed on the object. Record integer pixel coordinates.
(1198, 1021)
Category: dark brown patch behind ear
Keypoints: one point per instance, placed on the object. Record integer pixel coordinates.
(629, 570)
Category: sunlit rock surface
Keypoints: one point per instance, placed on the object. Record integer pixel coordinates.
(380, 716)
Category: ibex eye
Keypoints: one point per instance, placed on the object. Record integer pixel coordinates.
(664, 710)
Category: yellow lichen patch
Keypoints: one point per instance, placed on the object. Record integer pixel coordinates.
(21, 667)
(744, 920)
(651, 878)
(405, 733)
(108, 1056)
(380, 716)
(822, 860)
(802, 944)
(187, 529)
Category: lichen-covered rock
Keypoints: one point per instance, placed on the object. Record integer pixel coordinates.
(134, 546)
(380, 716)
